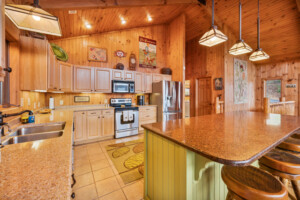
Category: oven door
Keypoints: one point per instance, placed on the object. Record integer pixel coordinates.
(120, 87)
(121, 126)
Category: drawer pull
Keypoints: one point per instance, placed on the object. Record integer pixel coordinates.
(147, 115)
(93, 113)
(82, 113)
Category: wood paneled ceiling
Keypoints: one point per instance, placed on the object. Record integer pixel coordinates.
(280, 19)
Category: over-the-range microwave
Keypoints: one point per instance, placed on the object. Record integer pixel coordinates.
(122, 86)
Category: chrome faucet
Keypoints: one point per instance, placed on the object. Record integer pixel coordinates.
(2, 129)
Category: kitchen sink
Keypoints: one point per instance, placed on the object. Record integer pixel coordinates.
(33, 133)
(32, 137)
(39, 129)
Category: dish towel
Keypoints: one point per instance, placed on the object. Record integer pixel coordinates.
(125, 116)
(130, 115)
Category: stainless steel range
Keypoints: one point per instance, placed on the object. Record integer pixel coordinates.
(126, 117)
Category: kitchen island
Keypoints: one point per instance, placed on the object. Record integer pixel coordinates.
(183, 158)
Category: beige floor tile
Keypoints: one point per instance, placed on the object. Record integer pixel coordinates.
(102, 174)
(107, 186)
(134, 191)
(99, 164)
(98, 156)
(82, 169)
(79, 162)
(120, 180)
(84, 180)
(86, 193)
(116, 195)
(80, 154)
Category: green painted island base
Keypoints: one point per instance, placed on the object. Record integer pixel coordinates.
(174, 172)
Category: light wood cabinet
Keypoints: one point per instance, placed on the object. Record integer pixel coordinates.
(117, 74)
(83, 79)
(93, 125)
(147, 115)
(129, 76)
(65, 77)
(167, 77)
(148, 83)
(80, 126)
(157, 78)
(139, 82)
(103, 79)
(53, 70)
(33, 63)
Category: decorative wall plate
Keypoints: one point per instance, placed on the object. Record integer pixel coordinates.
(120, 53)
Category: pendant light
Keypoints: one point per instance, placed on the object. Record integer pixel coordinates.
(258, 54)
(240, 47)
(33, 18)
(213, 36)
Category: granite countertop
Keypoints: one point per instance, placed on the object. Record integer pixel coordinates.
(233, 138)
(40, 169)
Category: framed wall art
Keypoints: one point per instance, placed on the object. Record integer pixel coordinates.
(97, 54)
(240, 87)
(147, 53)
(218, 83)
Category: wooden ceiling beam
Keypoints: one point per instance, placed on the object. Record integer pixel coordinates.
(77, 4)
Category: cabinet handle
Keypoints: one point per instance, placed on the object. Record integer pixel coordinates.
(82, 113)
(59, 89)
(98, 117)
(93, 113)
(55, 88)
(148, 116)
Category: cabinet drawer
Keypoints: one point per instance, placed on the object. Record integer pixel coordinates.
(147, 108)
(108, 112)
(94, 112)
(148, 116)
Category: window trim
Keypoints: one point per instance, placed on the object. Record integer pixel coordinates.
(263, 92)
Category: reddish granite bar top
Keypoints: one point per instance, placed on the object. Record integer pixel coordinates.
(233, 138)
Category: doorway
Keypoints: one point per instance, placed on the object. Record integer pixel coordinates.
(203, 101)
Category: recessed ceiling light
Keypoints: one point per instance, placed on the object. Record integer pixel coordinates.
(123, 21)
(87, 25)
(149, 18)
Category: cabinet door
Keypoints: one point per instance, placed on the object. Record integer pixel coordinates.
(157, 78)
(167, 77)
(80, 126)
(117, 74)
(103, 80)
(148, 83)
(94, 124)
(139, 82)
(108, 118)
(83, 79)
(53, 70)
(129, 76)
(66, 77)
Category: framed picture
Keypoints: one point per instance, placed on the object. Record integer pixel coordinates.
(218, 83)
(97, 54)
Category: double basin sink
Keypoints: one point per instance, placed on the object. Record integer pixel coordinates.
(33, 133)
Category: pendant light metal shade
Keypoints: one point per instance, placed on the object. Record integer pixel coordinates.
(240, 47)
(33, 18)
(213, 36)
(258, 54)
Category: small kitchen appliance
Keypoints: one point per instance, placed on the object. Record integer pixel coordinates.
(126, 117)
(141, 100)
(123, 86)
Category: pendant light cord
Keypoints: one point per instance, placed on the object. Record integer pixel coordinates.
(213, 13)
(258, 26)
(240, 18)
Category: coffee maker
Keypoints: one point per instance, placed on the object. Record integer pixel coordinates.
(141, 100)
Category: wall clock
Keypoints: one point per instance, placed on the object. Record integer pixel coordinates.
(132, 62)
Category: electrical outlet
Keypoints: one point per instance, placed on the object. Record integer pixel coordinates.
(39, 104)
(61, 102)
(22, 102)
(28, 101)
(34, 105)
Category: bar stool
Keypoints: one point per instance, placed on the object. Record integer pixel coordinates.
(251, 183)
(283, 165)
(291, 144)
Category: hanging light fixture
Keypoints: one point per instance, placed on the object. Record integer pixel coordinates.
(33, 18)
(240, 47)
(213, 36)
(258, 54)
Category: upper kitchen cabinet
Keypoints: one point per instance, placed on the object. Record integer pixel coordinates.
(122, 75)
(143, 82)
(65, 77)
(103, 80)
(33, 63)
(83, 79)
(159, 77)
(53, 70)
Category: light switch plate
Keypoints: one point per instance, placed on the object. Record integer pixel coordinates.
(22, 102)
(34, 105)
(61, 102)
(28, 101)
(39, 104)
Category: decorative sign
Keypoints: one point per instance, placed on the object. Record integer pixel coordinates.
(132, 62)
(290, 85)
(79, 99)
(120, 53)
(147, 53)
(240, 82)
(218, 83)
(97, 54)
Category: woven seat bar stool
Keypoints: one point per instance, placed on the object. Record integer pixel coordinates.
(284, 165)
(252, 183)
(291, 144)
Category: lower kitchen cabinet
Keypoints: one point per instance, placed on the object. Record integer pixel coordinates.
(147, 115)
(93, 125)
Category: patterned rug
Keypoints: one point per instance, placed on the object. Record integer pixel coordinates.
(128, 158)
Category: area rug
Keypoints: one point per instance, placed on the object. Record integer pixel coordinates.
(128, 158)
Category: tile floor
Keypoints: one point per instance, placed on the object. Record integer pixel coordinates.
(96, 176)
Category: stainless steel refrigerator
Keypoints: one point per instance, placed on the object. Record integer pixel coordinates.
(167, 95)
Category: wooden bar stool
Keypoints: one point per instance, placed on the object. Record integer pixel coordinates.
(283, 165)
(291, 144)
(252, 183)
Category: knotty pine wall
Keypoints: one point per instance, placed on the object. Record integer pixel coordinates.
(288, 72)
